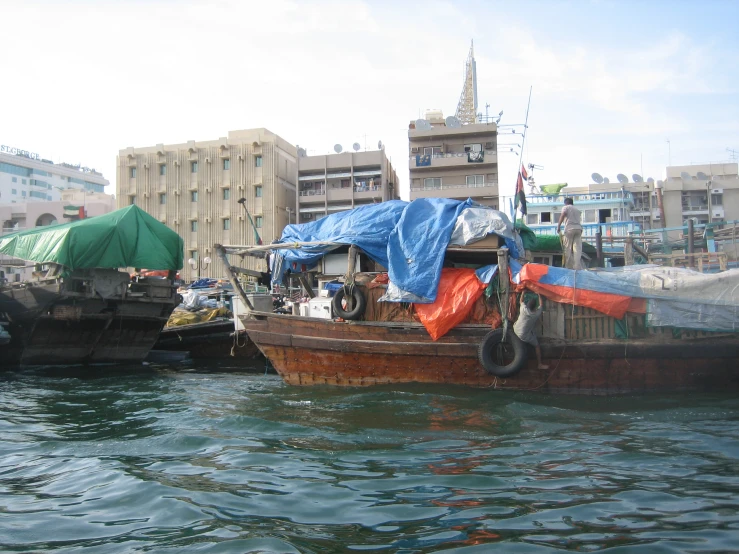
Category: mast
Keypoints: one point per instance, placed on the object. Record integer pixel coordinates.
(467, 106)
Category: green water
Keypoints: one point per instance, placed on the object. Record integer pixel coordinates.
(195, 459)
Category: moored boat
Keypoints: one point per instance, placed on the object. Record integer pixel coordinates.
(642, 329)
(83, 309)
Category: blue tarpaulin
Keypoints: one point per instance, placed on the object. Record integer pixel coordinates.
(408, 238)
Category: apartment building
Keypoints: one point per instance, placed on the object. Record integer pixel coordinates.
(27, 177)
(336, 182)
(708, 193)
(195, 188)
(448, 159)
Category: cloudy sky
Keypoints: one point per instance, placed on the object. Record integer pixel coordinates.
(613, 81)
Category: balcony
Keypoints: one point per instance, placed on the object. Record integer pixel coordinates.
(587, 198)
(453, 159)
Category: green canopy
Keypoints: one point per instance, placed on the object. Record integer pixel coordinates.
(552, 190)
(552, 243)
(128, 237)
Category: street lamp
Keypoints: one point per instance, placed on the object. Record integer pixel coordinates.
(199, 264)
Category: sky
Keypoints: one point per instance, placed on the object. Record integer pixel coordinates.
(616, 86)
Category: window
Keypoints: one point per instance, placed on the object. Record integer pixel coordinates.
(226, 224)
(258, 221)
(257, 161)
(23, 193)
(226, 164)
(193, 196)
(23, 181)
(132, 172)
(163, 198)
(132, 199)
(194, 255)
(473, 147)
(432, 183)
(163, 169)
(258, 191)
(717, 199)
(546, 217)
(226, 194)
(14, 191)
(15, 179)
(475, 180)
(193, 167)
(432, 151)
(532, 219)
(193, 226)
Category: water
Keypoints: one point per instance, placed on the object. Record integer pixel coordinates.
(157, 460)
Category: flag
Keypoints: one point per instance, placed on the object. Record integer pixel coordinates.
(520, 194)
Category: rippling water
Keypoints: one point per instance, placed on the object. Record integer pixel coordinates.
(163, 460)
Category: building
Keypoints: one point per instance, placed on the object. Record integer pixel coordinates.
(337, 182)
(27, 215)
(708, 193)
(26, 177)
(448, 159)
(195, 188)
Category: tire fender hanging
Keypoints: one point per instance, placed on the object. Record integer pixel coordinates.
(360, 303)
(488, 346)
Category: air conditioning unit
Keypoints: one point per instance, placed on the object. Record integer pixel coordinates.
(207, 220)
(414, 150)
(241, 218)
(146, 166)
(146, 195)
(489, 145)
(207, 160)
(176, 221)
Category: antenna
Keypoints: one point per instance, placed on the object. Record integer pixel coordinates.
(422, 125)
(301, 152)
(467, 106)
(453, 122)
(702, 176)
(623, 179)
(637, 178)
(596, 178)
(733, 153)
(356, 146)
(338, 148)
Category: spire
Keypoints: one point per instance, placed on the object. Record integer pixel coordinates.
(467, 107)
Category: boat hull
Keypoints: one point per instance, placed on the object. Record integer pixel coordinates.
(307, 351)
(208, 340)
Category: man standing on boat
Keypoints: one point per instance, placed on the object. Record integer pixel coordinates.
(524, 326)
(572, 238)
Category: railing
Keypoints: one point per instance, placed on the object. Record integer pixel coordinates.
(313, 192)
(584, 197)
(589, 230)
(367, 188)
(445, 187)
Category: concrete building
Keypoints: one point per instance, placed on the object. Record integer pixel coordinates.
(26, 177)
(194, 188)
(709, 193)
(448, 159)
(28, 215)
(337, 182)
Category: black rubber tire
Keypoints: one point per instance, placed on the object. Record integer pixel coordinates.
(487, 350)
(360, 304)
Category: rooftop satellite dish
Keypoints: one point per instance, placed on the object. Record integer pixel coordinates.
(623, 179)
(686, 176)
(597, 178)
(637, 178)
(356, 146)
(338, 148)
(702, 176)
(650, 180)
(453, 122)
(422, 125)
(606, 180)
(380, 146)
(301, 152)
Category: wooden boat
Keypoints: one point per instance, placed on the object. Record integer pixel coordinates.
(214, 339)
(581, 346)
(82, 311)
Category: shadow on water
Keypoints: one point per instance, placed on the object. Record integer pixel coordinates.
(225, 458)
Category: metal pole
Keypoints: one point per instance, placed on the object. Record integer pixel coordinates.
(691, 243)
